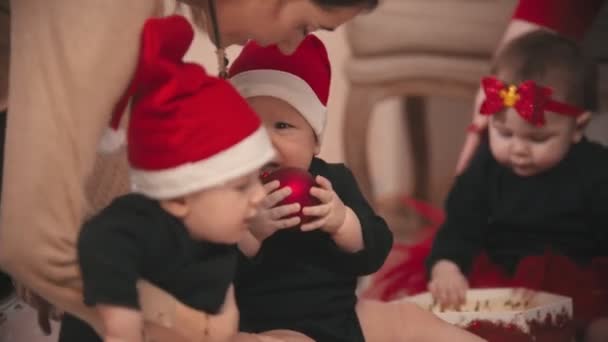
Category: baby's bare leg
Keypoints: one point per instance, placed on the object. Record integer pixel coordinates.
(597, 331)
(405, 321)
(273, 336)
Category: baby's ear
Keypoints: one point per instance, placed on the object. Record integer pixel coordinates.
(177, 207)
(317, 138)
(317, 147)
(581, 123)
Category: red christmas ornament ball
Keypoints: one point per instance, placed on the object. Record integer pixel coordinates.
(300, 181)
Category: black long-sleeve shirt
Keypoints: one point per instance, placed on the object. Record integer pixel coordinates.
(303, 281)
(490, 209)
(135, 238)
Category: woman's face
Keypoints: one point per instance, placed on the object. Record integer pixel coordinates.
(281, 22)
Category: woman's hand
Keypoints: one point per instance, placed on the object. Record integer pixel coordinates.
(45, 310)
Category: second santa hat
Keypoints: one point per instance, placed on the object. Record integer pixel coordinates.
(188, 131)
(301, 79)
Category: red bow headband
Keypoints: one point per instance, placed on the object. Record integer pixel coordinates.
(529, 99)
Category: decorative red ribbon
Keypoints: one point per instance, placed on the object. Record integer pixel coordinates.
(529, 99)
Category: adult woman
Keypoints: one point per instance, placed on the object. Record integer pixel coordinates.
(70, 61)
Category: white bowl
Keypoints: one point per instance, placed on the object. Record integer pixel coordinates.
(506, 307)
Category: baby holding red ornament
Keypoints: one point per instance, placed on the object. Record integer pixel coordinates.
(293, 274)
(300, 263)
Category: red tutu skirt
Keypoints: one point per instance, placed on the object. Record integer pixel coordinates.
(586, 285)
(405, 274)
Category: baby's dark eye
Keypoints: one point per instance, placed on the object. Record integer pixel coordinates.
(282, 125)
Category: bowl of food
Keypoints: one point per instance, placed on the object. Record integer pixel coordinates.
(508, 314)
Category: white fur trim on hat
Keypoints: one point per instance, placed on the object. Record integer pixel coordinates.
(112, 140)
(287, 87)
(246, 156)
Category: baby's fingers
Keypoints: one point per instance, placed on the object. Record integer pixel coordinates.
(324, 183)
(447, 295)
(439, 293)
(275, 197)
(445, 298)
(286, 223)
(284, 210)
(434, 290)
(316, 224)
(323, 195)
(317, 210)
(271, 186)
(459, 294)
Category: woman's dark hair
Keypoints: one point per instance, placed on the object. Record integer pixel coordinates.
(368, 4)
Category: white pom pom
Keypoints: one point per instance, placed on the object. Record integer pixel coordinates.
(112, 140)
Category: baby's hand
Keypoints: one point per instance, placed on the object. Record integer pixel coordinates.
(269, 218)
(330, 214)
(448, 285)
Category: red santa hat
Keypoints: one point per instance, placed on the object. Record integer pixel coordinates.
(187, 131)
(301, 79)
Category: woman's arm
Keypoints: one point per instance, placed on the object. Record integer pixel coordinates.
(62, 90)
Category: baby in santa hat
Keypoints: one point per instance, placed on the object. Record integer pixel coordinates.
(304, 278)
(194, 148)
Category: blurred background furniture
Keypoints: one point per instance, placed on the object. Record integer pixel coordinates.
(414, 49)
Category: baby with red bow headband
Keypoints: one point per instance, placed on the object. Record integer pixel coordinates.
(530, 210)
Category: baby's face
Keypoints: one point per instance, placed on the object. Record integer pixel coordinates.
(292, 136)
(529, 150)
(221, 214)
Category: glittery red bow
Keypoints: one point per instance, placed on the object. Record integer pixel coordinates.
(528, 99)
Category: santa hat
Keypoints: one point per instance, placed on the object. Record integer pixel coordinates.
(187, 131)
(301, 79)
